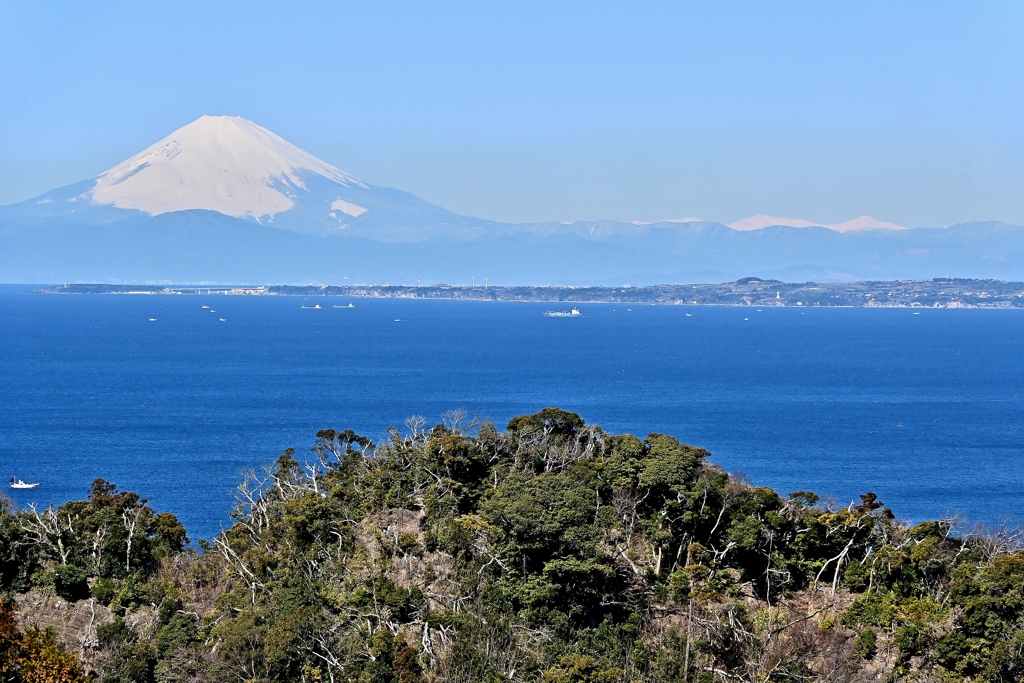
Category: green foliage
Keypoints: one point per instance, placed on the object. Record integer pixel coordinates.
(71, 582)
(865, 644)
(19, 557)
(104, 590)
(109, 536)
(548, 552)
(553, 421)
(578, 668)
(131, 663)
(179, 632)
(32, 655)
(116, 633)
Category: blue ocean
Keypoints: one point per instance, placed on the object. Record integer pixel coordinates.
(926, 409)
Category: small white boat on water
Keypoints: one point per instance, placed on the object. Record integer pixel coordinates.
(19, 484)
(574, 313)
(349, 306)
(152, 320)
(311, 307)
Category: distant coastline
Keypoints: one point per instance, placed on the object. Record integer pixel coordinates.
(935, 293)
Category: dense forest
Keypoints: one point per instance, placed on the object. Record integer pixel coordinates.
(550, 551)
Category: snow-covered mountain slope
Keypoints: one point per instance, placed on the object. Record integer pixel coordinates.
(220, 163)
(239, 169)
(762, 221)
(223, 199)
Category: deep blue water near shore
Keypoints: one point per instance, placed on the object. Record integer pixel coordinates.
(926, 410)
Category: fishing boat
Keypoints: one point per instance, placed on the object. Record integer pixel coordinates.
(19, 484)
(574, 313)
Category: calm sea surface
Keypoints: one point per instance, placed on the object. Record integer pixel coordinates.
(926, 410)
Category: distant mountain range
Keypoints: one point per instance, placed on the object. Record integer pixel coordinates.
(223, 200)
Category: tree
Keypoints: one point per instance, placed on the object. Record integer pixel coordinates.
(33, 656)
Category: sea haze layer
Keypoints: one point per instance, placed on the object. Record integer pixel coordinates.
(925, 408)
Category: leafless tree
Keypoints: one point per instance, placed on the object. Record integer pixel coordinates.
(130, 516)
(49, 528)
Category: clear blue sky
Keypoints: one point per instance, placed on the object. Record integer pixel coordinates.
(909, 111)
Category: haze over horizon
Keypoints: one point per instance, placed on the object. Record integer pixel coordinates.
(526, 114)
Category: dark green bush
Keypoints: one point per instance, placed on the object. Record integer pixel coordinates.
(104, 590)
(71, 582)
(864, 645)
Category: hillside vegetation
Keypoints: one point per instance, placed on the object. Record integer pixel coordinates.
(548, 552)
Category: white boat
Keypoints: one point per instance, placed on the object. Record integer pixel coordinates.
(223, 320)
(205, 306)
(349, 306)
(574, 313)
(19, 484)
(152, 320)
(689, 315)
(311, 307)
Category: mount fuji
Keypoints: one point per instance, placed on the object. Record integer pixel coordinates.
(238, 169)
(223, 200)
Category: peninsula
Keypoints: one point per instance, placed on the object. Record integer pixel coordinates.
(749, 291)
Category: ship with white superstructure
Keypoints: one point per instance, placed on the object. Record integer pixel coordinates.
(574, 313)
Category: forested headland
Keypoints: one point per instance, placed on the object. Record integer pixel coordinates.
(748, 291)
(549, 551)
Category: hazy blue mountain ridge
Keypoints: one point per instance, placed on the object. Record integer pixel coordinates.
(223, 200)
(205, 246)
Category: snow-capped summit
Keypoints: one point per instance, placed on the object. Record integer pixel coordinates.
(860, 223)
(220, 163)
(236, 168)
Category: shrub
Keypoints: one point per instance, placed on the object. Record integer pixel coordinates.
(865, 644)
(104, 590)
(71, 582)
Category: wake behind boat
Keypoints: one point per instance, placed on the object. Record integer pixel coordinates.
(574, 313)
(19, 484)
